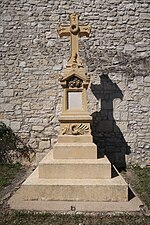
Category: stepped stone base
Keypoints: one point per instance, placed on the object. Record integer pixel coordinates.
(74, 168)
(51, 181)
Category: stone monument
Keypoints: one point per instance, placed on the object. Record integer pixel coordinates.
(75, 140)
(72, 171)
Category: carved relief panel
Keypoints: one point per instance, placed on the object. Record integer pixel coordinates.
(75, 129)
(74, 82)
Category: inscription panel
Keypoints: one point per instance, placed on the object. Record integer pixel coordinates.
(74, 100)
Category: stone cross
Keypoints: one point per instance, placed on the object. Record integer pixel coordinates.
(75, 31)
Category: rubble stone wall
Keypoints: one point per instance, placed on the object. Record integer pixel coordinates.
(116, 56)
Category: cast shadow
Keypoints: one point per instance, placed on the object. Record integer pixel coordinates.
(106, 134)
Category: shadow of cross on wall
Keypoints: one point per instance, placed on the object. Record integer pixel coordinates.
(106, 134)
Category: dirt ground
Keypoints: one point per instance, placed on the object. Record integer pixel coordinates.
(9, 190)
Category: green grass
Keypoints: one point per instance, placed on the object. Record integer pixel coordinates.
(7, 173)
(34, 218)
(142, 184)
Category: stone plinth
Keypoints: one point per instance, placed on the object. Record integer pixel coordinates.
(74, 180)
(75, 151)
(51, 168)
(75, 140)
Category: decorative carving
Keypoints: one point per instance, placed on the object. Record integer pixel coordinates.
(74, 29)
(75, 129)
(75, 82)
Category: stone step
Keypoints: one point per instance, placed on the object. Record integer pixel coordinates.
(75, 139)
(35, 188)
(75, 151)
(74, 168)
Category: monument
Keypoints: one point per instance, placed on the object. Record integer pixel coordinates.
(75, 140)
(72, 171)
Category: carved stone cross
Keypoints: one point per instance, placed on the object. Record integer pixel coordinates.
(75, 31)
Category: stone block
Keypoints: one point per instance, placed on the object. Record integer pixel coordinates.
(3, 83)
(8, 92)
(120, 105)
(6, 121)
(48, 130)
(57, 67)
(44, 144)
(75, 151)
(133, 86)
(22, 64)
(147, 89)
(23, 85)
(1, 100)
(50, 168)
(145, 101)
(26, 106)
(1, 29)
(18, 112)
(48, 34)
(1, 115)
(8, 107)
(15, 125)
(47, 104)
(129, 48)
(35, 120)
(36, 106)
(116, 115)
(147, 79)
(75, 139)
(105, 190)
(144, 15)
(124, 116)
(37, 128)
(7, 18)
(50, 43)
(141, 49)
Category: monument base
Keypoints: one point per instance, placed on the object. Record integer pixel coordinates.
(51, 168)
(74, 180)
(75, 151)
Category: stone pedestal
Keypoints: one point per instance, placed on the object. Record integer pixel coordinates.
(75, 140)
(74, 180)
(72, 172)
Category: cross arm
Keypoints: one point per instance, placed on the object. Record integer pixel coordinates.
(63, 31)
(85, 31)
